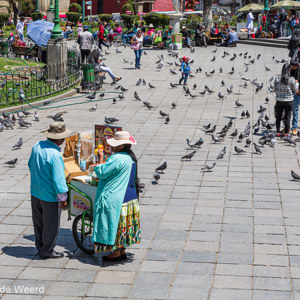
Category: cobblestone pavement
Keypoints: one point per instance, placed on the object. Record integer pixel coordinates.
(227, 234)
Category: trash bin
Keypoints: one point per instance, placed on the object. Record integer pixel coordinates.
(88, 73)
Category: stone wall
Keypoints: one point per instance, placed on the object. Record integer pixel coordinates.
(63, 6)
(3, 3)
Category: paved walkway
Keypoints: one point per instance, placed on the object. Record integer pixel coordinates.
(228, 234)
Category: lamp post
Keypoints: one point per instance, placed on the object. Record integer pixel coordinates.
(83, 10)
(37, 6)
(51, 6)
(266, 5)
(56, 31)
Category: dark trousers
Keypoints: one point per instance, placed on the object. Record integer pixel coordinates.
(45, 217)
(84, 54)
(184, 77)
(287, 108)
(101, 42)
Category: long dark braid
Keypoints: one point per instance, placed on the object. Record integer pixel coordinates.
(127, 149)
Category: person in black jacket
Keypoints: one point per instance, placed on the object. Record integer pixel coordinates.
(282, 21)
(294, 44)
(185, 37)
(214, 31)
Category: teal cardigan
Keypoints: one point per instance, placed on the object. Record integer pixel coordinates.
(113, 181)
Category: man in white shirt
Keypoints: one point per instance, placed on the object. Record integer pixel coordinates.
(20, 28)
(250, 21)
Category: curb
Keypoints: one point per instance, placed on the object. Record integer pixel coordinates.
(25, 106)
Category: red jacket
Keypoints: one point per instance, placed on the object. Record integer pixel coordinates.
(101, 32)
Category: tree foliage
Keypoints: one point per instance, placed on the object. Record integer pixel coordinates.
(105, 17)
(73, 16)
(4, 17)
(75, 7)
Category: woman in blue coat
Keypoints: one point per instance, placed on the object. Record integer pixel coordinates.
(116, 209)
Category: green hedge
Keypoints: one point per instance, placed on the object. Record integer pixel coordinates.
(73, 16)
(129, 20)
(105, 17)
(4, 17)
(37, 16)
(75, 7)
(156, 19)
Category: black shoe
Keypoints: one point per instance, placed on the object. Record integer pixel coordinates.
(54, 254)
(124, 256)
(117, 258)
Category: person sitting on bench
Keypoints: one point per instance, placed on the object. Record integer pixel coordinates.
(214, 31)
(185, 37)
(201, 38)
(231, 39)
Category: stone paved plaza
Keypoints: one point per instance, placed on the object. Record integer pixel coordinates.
(227, 234)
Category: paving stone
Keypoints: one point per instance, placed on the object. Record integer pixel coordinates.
(188, 293)
(233, 282)
(64, 288)
(230, 294)
(107, 290)
(262, 295)
(144, 292)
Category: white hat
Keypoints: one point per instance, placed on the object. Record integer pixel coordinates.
(183, 27)
(151, 25)
(57, 131)
(121, 138)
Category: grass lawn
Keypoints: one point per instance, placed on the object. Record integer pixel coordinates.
(7, 64)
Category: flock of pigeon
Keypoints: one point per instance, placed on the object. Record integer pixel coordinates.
(259, 134)
(262, 129)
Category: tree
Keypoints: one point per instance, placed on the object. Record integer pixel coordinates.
(207, 13)
(25, 5)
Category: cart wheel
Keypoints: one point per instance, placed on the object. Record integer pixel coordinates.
(82, 232)
(263, 34)
(270, 34)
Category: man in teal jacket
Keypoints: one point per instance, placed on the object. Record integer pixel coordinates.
(48, 188)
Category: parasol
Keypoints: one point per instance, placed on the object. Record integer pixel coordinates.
(40, 32)
(254, 6)
(288, 4)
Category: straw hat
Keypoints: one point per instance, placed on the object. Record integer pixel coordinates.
(121, 138)
(57, 131)
(151, 25)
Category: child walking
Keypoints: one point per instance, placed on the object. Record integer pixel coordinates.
(185, 70)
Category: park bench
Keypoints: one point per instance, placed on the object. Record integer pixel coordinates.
(213, 40)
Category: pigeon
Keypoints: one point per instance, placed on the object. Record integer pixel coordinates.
(1, 127)
(143, 81)
(295, 175)
(102, 94)
(92, 96)
(230, 90)
(194, 86)
(136, 96)
(188, 156)
(239, 150)
(222, 83)
(156, 177)
(257, 149)
(11, 163)
(199, 143)
(214, 51)
(222, 153)
(36, 117)
(167, 120)
(213, 59)
(234, 134)
(148, 105)
(110, 120)
(221, 96)
(190, 144)
(208, 75)
(267, 99)
(161, 168)
(243, 114)
(21, 123)
(216, 139)
(220, 70)
(18, 144)
(212, 130)
(248, 142)
(247, 114)
(206, 127)
(208, 89)
(267, 69)
(163, 114)
(212, 72)
(173, 105)
(208, 168)
(241, 136)
(289, 140)
(57, 117)
(238, 104)
(262, 109)
(256, 130)
(151, 86)
(114, 100)
(139, 82)
(123, 89)
(173, 85)
(121, 97)
(202, 93)
(94, 108)
(25, 112)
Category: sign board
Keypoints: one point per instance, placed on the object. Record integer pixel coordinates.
(102, 134)
(89, 7)
(88, 2)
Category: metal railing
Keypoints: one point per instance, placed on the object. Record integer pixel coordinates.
(32, 82)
